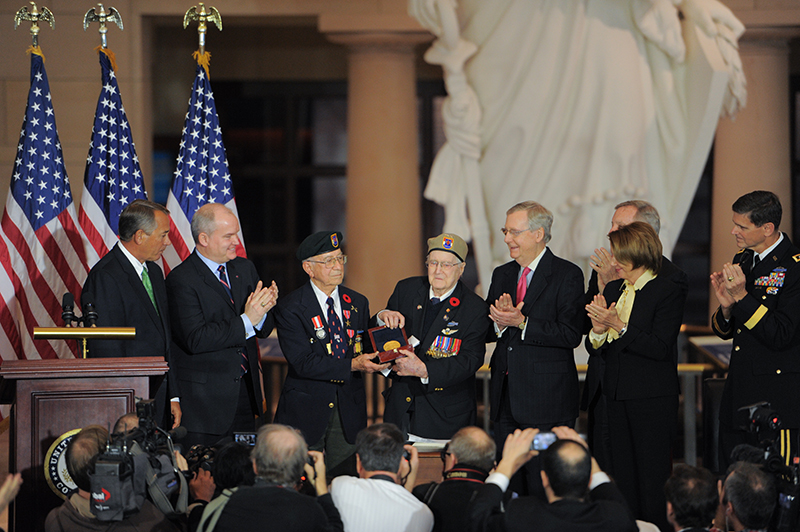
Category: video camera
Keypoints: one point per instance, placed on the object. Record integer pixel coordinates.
(766, 423)
(135, 464)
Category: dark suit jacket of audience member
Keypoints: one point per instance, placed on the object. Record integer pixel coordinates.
(450, 502)
(448, 401)
(120, 299)
(209, 332)
(315, 377)
(596, 370)
(542, 379)
(270, 507)
(604, 510)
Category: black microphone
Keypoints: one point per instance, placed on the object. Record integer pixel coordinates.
(89, 315)
(178, 433)
(67, 309)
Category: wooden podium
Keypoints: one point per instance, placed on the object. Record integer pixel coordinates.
(51, 397)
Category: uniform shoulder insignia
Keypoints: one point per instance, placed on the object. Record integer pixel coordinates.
(796, 257)
(740, 251)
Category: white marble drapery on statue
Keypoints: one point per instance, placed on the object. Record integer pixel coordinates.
(581, 104)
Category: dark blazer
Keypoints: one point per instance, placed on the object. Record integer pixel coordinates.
(449, 501)
(604, 510)
(270, 507)
(210, 337)
(594, 375)
(316, 378)
(542, 378)
(765, 327)
(644, 361)
(120, 299)
(448, 401)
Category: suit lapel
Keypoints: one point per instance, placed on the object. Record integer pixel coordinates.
(212, 280)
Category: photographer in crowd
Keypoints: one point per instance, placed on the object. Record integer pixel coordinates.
(580, 496)
(748, 498)
(75, 514)
(377, 500)
(467, 460)
(279, 458)
(692, 498)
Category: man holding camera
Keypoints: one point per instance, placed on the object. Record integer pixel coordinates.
(580, 496)
(280, 458)
(75, 515)
(381, 498)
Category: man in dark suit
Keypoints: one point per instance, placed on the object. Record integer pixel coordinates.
(759, 297)
(568, 473)
(467, 458)
(280, 459)
(692, 498)
(433, 387)
(127, 289)
(603, 272)
(536, 305)
(321, 328)
(218, 306)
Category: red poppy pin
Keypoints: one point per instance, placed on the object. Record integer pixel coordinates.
(454, 302)
(346, 298)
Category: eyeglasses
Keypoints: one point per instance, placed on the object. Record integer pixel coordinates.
(331, 261)
(513, 232)
(446, 266)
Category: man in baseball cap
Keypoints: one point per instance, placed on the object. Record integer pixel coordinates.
(433, 389)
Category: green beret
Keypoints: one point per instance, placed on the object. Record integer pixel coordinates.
(319, 243)
(449, 242)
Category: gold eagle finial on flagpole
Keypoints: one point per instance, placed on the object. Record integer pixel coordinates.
(34, 15)
(94, 15)
(203, 15)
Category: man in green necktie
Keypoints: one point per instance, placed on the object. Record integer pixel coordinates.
(127, 289)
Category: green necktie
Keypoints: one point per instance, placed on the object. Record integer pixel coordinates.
(149, 287)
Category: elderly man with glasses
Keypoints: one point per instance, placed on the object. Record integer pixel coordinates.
(536, 304)
(321, 326)
(433, 386)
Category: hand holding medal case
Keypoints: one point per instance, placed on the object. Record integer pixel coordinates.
(388, 343)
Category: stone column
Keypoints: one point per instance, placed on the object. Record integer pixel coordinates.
(753, 152)
(383, 240)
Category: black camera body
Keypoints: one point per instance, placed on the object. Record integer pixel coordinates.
(135, 465)
(766, 423)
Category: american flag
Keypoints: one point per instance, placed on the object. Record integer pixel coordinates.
(113, 178)
(41, 248)
(201, 175)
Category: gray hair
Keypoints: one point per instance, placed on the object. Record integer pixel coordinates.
(205, 219)
(280, 454)
(645, 212)
(140, 214)
(472, 446)
(538, 216)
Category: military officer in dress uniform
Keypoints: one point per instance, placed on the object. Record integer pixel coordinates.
(759, 298)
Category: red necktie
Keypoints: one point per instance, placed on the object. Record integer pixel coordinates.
(522, 285)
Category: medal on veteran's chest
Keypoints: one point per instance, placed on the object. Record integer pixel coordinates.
(319, 328)
(444, 347)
